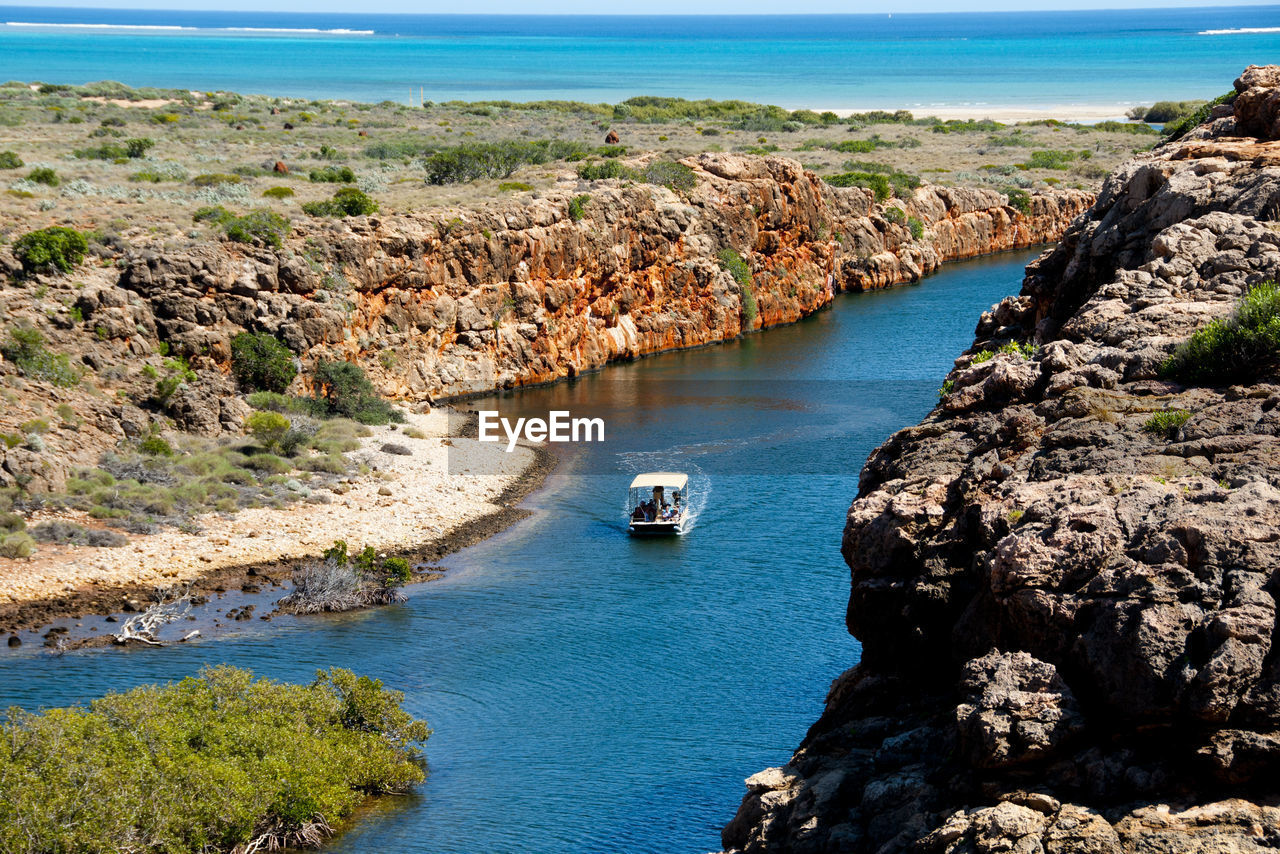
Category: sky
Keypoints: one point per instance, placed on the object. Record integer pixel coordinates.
(594, 7)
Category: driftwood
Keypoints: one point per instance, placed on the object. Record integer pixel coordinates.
(309, 835)
(142, 627)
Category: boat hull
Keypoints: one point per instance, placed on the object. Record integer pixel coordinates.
(653, 529)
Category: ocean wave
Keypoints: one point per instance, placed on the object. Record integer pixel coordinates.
(175, 28)
(1238, 31)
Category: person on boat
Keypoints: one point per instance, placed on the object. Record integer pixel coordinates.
(650, 512)
(637, 515)
(675, 498)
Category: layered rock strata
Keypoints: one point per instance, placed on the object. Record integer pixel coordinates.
(1067, 610)
(469, 301)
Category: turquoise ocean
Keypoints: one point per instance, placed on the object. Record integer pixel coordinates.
(914, 61)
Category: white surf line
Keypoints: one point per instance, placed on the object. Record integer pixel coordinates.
(176, 28)
(1239, 31)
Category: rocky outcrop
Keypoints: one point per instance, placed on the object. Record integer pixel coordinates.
(467, 301)
(1067, 614)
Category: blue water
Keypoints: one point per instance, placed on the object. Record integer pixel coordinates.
(592, 692)
(914, 61)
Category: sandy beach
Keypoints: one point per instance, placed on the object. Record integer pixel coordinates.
(427, 496)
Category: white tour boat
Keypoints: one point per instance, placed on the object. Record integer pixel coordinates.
(658, 503)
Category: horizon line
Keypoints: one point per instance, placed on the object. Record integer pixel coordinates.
(1138, 6)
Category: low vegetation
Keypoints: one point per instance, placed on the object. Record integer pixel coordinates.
(26, 349)
(343, 582)
(740, 270)
(1166, 423)
(1239, 347)
(219, 762)
(348, 201)
(257, 226)
(474, 160)
(48, 250)
(260, 362)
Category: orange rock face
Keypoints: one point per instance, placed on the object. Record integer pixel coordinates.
(461, 302)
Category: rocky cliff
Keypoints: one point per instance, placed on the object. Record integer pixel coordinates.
(1067, 608)
(446, 303)
(468, 301)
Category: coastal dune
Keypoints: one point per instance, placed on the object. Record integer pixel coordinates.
(1064, 578)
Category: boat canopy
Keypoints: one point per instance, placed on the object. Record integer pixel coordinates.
(675, 480)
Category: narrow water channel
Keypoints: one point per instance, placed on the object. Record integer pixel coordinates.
(591, 692)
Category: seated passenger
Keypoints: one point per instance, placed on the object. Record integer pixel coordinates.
(637, 515)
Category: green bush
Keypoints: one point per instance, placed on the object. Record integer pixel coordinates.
(514, 187)
(333, 175)
(1167, 423)
(1019, 200)
(1178, 128)
(475, 160)
(10, 160)
(1239, 347)
(44, 175)
(135, 148)
(110, 151)
(397, 571)
(50, 249)
(215, 179)
(216, 214)
(346, 202)
(577, 206)
(258, 225)
(1053, 159)
(917, 228)
(876, 182)
(737, 267)
(260, 362)
(156, 446)
(343, 389)
(14, 546)
(1162, 112)
(669, 174)
(25, 349)
(592, 171)
(269, 428)
(894, 215)
(216, 762)
(277, 193)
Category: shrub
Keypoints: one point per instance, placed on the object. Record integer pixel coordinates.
(668, 173)
(1166, 111)
(894, 215)
(738, 268)
(1052, 159)
(348, 201)
(156, 446)
(25, 349)
(44, 175)
(135, 148)
(1167, 423)
(50, 249)
(917, 228)
(1242, 346)
(216, 214)
(345, 390)
(64, 533)
(265, 226)
(277, 193)
(333, 175)
(577, 206)
(269, 428)
(514, 187)
(397, 571)
(1178, 128)
(591, 171)
(341, 581)
(1019, 200)
(110, 151)
(18, 545)
(877, 183)
(260, 362)
(10, 160)
(215, 762)
(215, 179)
(493, 159)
